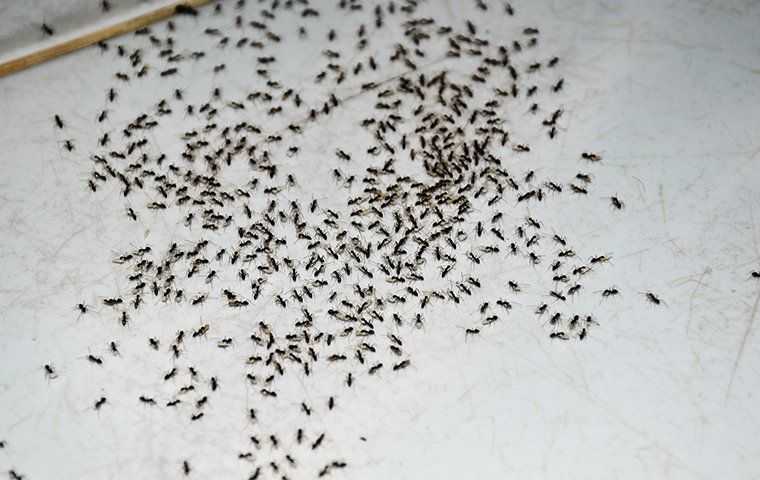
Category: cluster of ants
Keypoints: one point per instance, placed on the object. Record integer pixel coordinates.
(430, 199)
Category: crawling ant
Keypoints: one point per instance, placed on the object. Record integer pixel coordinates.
(401, 365)
(558, 295)
(15, 475)
(652, 298)
(187, 10)
(318, 442)
(471, 331)
(608, 292)
(577, 189)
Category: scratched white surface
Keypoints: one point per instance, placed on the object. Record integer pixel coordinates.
(667, 91)
(21, 27)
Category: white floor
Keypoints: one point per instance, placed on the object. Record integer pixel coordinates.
(667, 92)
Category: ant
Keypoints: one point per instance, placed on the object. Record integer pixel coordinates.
(401, 365)
(608, 292)
(651, 297)
(95, 360)
(318, 442)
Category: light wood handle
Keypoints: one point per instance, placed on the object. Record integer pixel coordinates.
(74, 44)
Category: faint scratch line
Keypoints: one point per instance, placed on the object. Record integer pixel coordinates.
(662, 204)
(66, 242)
(693, 294)
(744, 342)
(754, 228)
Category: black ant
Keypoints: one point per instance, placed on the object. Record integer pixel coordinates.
(95, 360)
(318, 442)
(651, 297)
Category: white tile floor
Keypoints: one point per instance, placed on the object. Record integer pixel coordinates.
(668, 92)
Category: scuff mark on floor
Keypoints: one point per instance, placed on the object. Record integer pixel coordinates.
(739, 354)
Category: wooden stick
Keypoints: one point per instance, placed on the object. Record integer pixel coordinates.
(126, 26)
